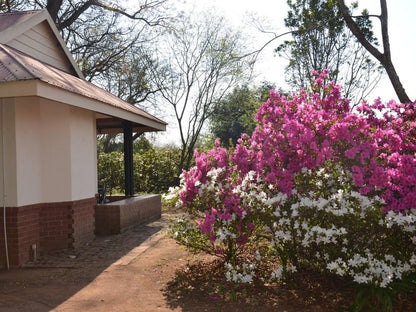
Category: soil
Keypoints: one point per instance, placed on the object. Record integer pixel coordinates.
(142, 269)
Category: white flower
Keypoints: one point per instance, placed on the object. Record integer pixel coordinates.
(361, 279)
(277, 274)
(236, 274)
(258, 256)
(332, 266)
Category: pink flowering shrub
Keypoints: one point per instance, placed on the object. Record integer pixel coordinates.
(308, 130)
(226, 197)
(317, 185)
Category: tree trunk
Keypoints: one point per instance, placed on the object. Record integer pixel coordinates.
(53, 7)
(383, 58)
(395, 81)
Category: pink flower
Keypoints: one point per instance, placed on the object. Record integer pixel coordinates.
(350, 153)
(250, 226)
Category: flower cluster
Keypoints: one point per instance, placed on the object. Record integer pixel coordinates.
(307, 130)
(237, 274)
(367, 269)
(340, 230)
(319, 185)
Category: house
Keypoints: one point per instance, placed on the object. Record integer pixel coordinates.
(49, 119)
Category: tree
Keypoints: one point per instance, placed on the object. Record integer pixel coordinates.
(108, 143)
(321, 40)
(129, 78)
(10, 5)
(202, 63)
(235, 114)
(385, 57)
(101, 34)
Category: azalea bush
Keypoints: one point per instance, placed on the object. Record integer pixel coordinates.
(317, 186)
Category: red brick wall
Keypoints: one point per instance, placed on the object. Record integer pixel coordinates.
(55, 224)
(83, 222)
(107, 220)
(51, 226)
(114, 217)
(22, 233)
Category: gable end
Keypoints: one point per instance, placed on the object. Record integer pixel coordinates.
(40, 43)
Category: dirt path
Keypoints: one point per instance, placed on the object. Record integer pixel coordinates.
(132, 271)
(125, 272)
(137, 271)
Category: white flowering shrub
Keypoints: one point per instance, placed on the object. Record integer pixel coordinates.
(340, 231)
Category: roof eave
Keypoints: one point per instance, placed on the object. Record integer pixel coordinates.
(36, 87)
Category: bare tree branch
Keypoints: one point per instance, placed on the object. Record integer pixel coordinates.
(63, 22)
(384, 58)
(73, 17)
(204, 61)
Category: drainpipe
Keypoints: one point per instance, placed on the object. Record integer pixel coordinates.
(4, 186)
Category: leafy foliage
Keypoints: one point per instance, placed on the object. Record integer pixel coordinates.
(320, 40)
(110, 167)
(154, 170)
(234, 115)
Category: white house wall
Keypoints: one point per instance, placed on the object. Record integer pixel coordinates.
(7, 123)
(55, 152)
(28, 154)
(83, 153)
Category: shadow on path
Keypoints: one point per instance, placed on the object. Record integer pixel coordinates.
(45, 284)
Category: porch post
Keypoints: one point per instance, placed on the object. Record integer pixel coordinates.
(128, 158)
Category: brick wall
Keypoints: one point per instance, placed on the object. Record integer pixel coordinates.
(22, 233)
(107, 220)
(55, 224)
(83, 222)
(140, 209)
(114, 217)
(49, 226)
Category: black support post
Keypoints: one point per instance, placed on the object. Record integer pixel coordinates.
(128, 158)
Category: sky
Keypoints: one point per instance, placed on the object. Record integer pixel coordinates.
(402, 26)
(401, 22)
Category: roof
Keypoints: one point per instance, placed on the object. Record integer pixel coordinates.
(17, 66)
(9, 19)
(23, 75)
(13, 24)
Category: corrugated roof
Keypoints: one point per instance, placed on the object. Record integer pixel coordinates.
(17, 66)
(9, 19)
